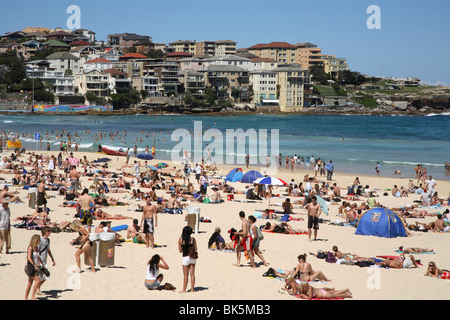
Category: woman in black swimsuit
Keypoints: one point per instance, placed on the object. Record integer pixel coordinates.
(86, 245)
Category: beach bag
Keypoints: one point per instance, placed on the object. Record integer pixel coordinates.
(331, 258)
(192, 253)
(321, 255)
(30, 270)
(259, 234)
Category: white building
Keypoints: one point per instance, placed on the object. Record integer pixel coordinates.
(63, 61)
(60, 84)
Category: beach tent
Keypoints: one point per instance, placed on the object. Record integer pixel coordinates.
(234, 175)
(380, 222)
(323, 204)
(251, 176)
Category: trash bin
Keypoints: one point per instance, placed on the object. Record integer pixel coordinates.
(94, 250)
(32, 197)
(106, 249)
(193, 218)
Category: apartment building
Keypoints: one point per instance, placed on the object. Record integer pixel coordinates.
(333, 65)
(61, 35)
(205, 47)
(126, 39)
(291, 80)
(264, 86)
(62, 61)
(224, 78)
(281, 52)
(263, 64)
(225, 47)
(60, 84)
(308, 55)
(92, 81)
(229, 60)
(183, 46)
(193, 82)
(99, 64)
(118, 81)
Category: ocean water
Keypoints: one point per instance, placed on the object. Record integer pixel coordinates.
(355, 143)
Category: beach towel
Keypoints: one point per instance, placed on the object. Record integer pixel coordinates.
(398, 251)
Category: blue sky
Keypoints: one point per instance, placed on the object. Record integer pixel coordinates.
(414, 39)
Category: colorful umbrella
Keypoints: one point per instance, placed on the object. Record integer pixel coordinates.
(152, 167)
(270, 180)
(162, 165)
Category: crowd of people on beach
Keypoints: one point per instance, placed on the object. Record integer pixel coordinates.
(162, 191)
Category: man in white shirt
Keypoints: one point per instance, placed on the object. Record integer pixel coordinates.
(431, 183)
(198, 172)
(137, 172)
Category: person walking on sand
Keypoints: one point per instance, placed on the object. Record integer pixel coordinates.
(377, 169)
(5, 226)
(246, 242)
(256, 239)
(185, 244)
(85, 245)
(74, 177)
(148, 222)
(44, 250)
(313, 211)
(33, 262)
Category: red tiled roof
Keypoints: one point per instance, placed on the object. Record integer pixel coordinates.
(133, 55)
(179, 54)
(273, 45)
(115, 71)
(101, 60)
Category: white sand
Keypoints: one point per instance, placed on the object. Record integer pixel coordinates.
(216, 277)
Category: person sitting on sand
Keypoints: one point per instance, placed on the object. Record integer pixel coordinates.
(134, 232)
(287, 206)
(10, 196)
(216, 198)
(304, 272)
(217, 240)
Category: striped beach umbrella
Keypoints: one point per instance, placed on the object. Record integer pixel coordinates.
(270, 181)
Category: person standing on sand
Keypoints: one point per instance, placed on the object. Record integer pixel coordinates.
(246, 242)
(74, 177)
(184, 245)
(313, 211)
(154, 152)
(5, 226)
(149, 222)
(86, 203)
(255, 239)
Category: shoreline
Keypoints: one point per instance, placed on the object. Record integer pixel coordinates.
(237, 113)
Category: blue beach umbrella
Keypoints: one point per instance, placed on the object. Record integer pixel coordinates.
(152, 167)
(145, 156)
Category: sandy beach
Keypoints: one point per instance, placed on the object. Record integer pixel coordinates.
(216, 276)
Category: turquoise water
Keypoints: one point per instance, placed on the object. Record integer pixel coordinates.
(355, 143)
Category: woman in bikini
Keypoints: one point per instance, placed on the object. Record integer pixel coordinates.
(435, 272)
(86, 244)
(306, 272)
(308, 292)
(414, 250)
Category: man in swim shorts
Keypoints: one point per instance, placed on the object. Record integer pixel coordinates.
(149, 222)
(313, 210)
(86, 203)
(246, 242)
